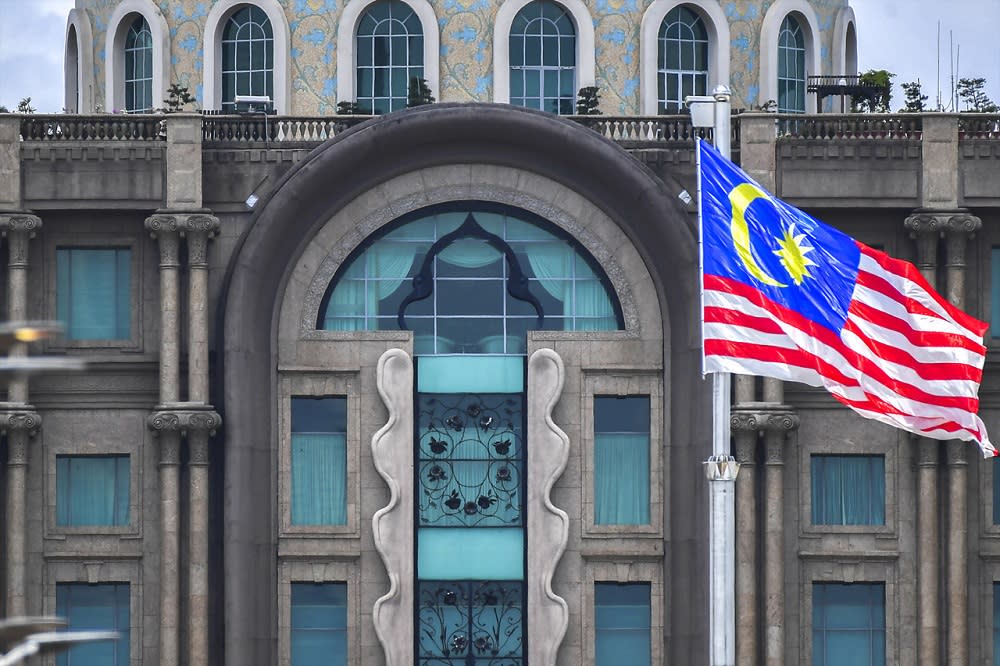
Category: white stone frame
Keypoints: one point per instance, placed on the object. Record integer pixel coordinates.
(320, 383)
(718, 46)
(769, 32)
(845, 58)
(80, 91)
(319, 571)
(114, 50)
(627, 570)
(585, 59)
(640, 382)
(58, 240)
(212, 49)
(347, 58)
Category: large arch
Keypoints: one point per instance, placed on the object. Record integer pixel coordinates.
(769, 32)
(360, 161)
(79, 63)
(114, 50)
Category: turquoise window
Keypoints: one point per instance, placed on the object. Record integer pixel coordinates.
(247, 56)
(470, 309)
(848, 490)
(682, 59)
(543, 58)
(791, 67)
(319, 624)
(390, 52)
(319, 461)
(139, 68)
(995, 293)
(92, 490)
(621, 460)
(848, 624)
(93, 292)
(103, 607)
(622, 624)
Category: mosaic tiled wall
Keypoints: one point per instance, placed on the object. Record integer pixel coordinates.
(466, 28)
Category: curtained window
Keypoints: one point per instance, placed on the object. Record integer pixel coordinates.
(848, 490)
(319, 624)
(390, 52)
(995, 293)
(848, 624)
(621, 460)
(93, 292)
(92, 490)
(996, 624)
(98, 607)
(622, 624)
(319, 461)
(996, 492)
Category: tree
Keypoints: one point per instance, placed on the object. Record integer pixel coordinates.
(587, 101)
(971, 92)
(177, 98)
(24, 106)
(418, 93)
(915, 97)
(879, 103)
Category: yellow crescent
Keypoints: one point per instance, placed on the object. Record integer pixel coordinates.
(741, 197)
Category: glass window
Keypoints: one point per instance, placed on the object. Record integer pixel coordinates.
(319, 461)
(848, 624)
(390, 53)
(622, 624)
(996, 624)
(247, 56)
(543, 58)
(103, 607)
(791, 67)
(996, 491)
(995, 293)
(682, 59)
(848, 490)
(139, 68)
(93, 292)
(92, 490)
(621, 460)
(319, 624)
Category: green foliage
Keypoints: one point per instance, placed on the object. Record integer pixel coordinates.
(588, 100)
(418, 93)
(915, 97)
(178, 97)
(24, 106)
(879, 78)
(4, 109)
(971, 92)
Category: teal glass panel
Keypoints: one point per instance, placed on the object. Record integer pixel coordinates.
(103, 607)
(848, 624)
(470, 373)
(848, 490)
(622, 618)
(995, 293)
(319, 461)
(621, 460)
(319, 624)
(470, 553)
(93, 292)
(92, 491)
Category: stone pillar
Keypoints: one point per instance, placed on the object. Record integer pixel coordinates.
(758, 145)
(744, 425)
(774, 542)
(197, 634)
(198, 229)
(19, 422)
(19, 229)
(163, 228)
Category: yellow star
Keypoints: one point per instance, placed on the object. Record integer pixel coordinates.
(793, 254)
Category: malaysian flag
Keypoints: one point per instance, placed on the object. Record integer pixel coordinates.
(788, 297)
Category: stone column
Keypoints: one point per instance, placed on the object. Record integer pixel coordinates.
(163, 228)
(19, 422)
(744, 425)
(774, 534)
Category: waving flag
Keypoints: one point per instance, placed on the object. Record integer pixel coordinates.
(788, 297)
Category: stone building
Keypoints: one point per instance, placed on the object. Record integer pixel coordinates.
(424, 387)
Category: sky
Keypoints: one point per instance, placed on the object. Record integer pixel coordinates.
(897, 35)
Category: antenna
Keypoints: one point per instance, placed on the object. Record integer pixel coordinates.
(958, 53)
(939, 65)
(951, 63)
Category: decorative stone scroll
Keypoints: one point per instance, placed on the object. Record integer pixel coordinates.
(19, 417)
(763, 417)
(942, 222)
(183, 417)
(25, 222)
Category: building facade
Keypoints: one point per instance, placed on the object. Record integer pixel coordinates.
(425, 387)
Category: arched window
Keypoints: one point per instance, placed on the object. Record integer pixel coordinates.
(247, 56)
(139, 67)
(791, 67)
(471, 278)
(543, 58)
(390, 52)
(682, 59)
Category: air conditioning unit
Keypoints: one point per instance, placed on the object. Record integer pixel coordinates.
(253, 104)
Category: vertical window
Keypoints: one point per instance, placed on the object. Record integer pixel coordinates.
(995, 293)
(319, 461)
(791, 67)
(622, 624)
(543, 58)
(103, 607)
(139, 67)
(390, 52)
(848, 490)
(247, 56)
(92, 490)
(621, 460)
(682, 59)
(93, 292)
(996, 492)
(996, 624)
(319, 624)
(848, 624)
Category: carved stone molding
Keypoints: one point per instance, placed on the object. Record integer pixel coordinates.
(746, 448)
(763, 417)
(942, 222)
(957, 453)
(183, 417)
(198, 449)
(927, 451)
(23, 222)
(167, 227)
(774, 451)
(19, 417)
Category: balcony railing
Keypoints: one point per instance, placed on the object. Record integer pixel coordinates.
(97, 127)
(284, 130)
(864, 126)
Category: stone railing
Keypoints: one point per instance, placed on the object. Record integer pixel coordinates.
(97, 127)
(850, 126)
(979, 126)
(284, 130)
(656, 129)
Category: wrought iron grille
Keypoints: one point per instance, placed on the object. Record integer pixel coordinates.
(470, 623)
(470, 460)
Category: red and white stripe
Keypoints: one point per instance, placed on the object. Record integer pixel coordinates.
(905, 356)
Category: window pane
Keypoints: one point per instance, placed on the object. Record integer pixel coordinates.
(93, 292)
(995, 293)
(92, 490)
(622, 624)
(319, 461)
(103, 607)
(848, 624)
(319, 624)
(621, 460)
(848, 490)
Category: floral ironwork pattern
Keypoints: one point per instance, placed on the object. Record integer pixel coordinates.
(470, 460)
(470, 623)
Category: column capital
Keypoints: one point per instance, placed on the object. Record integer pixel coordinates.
(927, 451)
(763, 416)
(183, 417)
(182, 222)
(17, 416)
(19, 221)
(957, 453)
(942, 222)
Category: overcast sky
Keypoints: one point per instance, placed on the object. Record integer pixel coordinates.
(897, 35)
